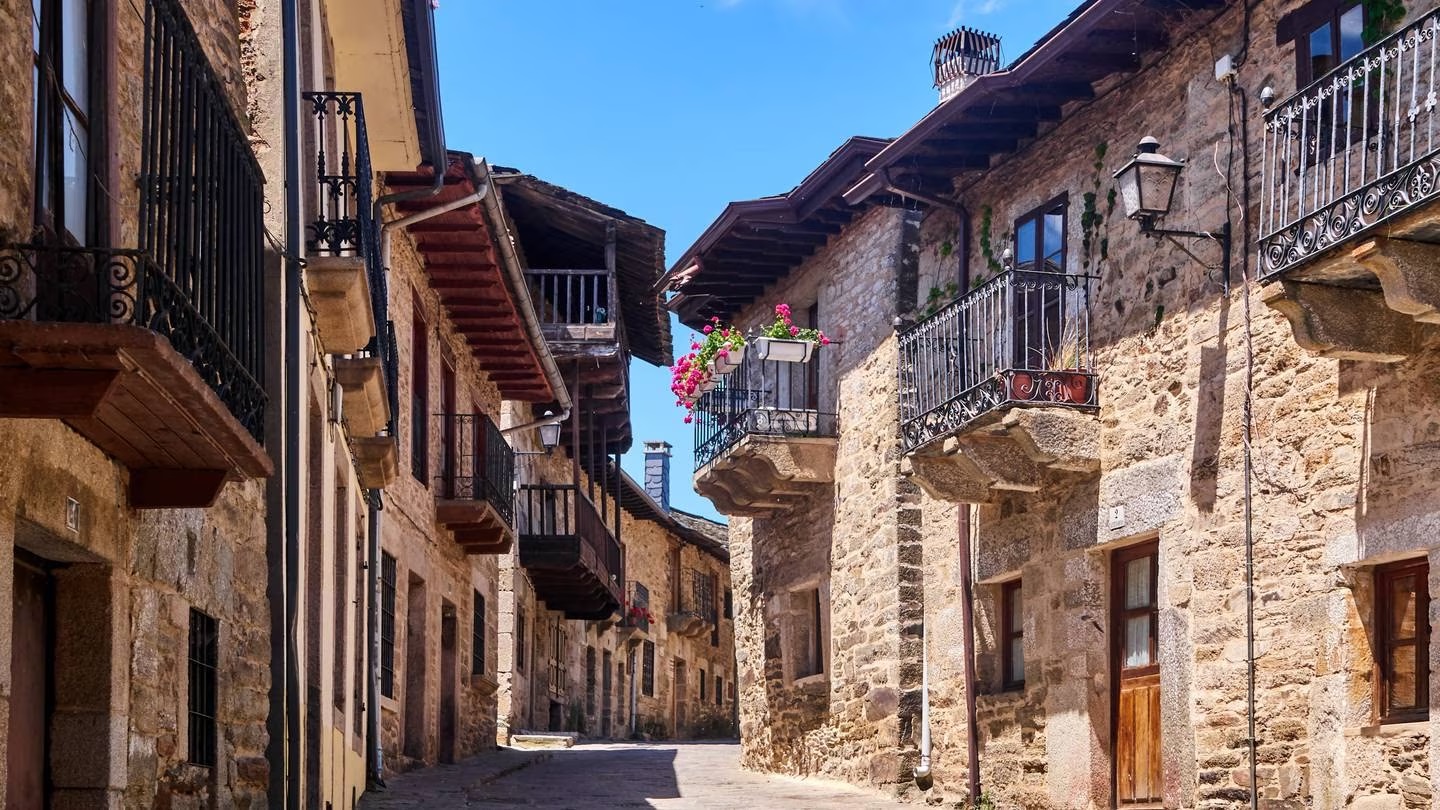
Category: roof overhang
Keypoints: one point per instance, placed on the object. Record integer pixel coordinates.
(754, 243)
(463, 264)
(1000, 113)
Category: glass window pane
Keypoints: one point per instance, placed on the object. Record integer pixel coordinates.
(1054, 240)
(1352, 24)
(1013, 610)
(1402, 677)
(1137, 641)
(1322, 51)
(1402, 608)
(1017, 660)
(1025, 243)
(1137, 583)
(76, 172)
(74, 50)
(35, 25)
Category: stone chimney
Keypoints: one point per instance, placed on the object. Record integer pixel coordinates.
(657, 472)
(960, 57)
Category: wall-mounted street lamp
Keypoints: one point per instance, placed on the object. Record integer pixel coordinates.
(549, 438)
(1147, 189)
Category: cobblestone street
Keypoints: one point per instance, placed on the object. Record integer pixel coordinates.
(600, 777)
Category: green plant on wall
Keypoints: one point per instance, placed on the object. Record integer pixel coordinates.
(987, 247)
(939, 298)
(1381, 17)
(1092, 221)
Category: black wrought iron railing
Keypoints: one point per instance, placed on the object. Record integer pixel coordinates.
(201, 225)
(563, 511)
(574, 297)
(112, 286)
(1021, 338)
(764, 398)
(699, 601)
(1356, 148)
(481, 464)
(636, 610)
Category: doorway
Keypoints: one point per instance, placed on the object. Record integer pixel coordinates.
(680, 698)
(32, 684)
(415, 669)
(448, 677)
(1135, 656)
(607, 696)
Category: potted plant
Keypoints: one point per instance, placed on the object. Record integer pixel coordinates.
(716, 354)
(787, 343)
(1063, 379)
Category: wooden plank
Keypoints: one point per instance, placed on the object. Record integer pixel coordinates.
(1125, 748)
(54, 393)
(175, 489)
(167, 429)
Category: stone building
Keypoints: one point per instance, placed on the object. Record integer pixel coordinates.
(1072, 500)
(192, 302)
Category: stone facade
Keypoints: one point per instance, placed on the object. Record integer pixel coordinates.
(434, 713)
(1343, 481)
(533, 698)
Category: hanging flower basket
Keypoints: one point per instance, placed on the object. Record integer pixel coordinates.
(729, 360)
(784, 350)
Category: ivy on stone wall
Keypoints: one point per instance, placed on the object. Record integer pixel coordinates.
(1381, 17)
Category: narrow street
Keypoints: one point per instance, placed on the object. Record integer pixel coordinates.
(693, 776)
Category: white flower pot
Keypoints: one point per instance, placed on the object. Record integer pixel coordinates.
(784, 351)
(730, 362)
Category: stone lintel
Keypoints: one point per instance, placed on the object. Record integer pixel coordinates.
(1409, 274)
(1343, 322)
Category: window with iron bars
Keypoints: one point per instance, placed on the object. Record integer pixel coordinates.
(204, 683)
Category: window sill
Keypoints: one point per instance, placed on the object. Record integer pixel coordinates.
(1385, 730)
(484, 684)
(818, 679)
(1002, 699)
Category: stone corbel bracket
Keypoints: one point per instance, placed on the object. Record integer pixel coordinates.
(765, 474)
(1355, 323)
(1017, 453)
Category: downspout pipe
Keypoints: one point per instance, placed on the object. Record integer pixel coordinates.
(922, 770)
(287, 793)
(967, 620)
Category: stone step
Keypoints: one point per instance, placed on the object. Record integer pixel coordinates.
(544, 739)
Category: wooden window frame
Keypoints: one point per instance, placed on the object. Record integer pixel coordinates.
(49, 130)
(1009, 636)
(519, 639)
(1117, 597)
(1037, 214)
(1298, 25)
(1384, 575)
(202, 698)
(704, 685)
(719, 691)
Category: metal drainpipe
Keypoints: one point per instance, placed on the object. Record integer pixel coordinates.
(967, 619)
(290, 54)
(922, 770)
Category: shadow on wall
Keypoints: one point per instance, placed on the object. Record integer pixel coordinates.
(1395, 511)
(790, 583)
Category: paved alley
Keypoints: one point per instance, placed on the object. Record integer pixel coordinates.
(601, 777)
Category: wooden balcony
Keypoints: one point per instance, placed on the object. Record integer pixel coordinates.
(1350, 211)
(762, 441)
(574, 561)
(475, 492)
(998, 390)
(579, 310)
(104, 340)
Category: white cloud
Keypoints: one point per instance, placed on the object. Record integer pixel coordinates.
(964, 9)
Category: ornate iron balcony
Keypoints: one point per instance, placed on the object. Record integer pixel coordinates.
(49, 284)
(761, 398)
(1020, 339)
(1356, 148)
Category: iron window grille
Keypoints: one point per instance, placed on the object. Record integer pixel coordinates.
(387, 625)
(647, 672)
(477, 635)
(203, 687)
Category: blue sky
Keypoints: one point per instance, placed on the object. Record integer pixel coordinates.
(669, 109)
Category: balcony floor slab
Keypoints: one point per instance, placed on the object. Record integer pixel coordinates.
(127, 390)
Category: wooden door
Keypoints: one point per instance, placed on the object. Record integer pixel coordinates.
(31, 671)
(449, 676)
(1137, 668)
(680, 698)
